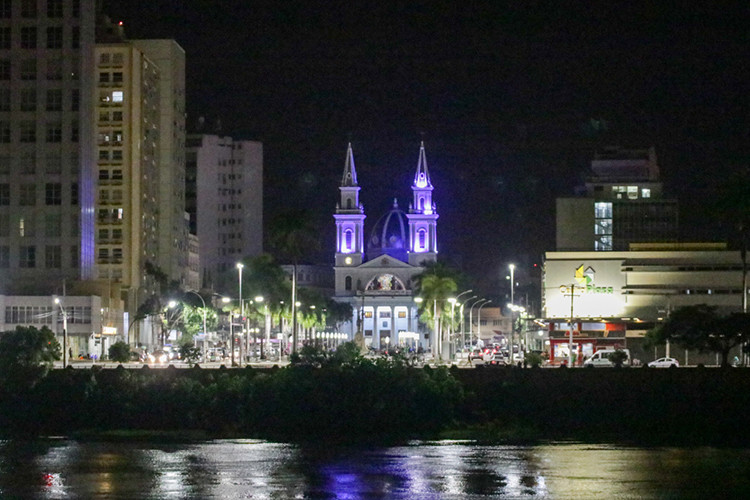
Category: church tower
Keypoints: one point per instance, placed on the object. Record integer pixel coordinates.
(350, 218)
(422, 216)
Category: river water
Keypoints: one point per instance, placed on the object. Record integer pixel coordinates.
(229, 469)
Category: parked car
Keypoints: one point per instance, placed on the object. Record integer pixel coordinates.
(495, 359)
(476, 353)
(664, 363)
(601, 358)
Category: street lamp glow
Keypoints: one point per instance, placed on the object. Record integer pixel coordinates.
(259, 298)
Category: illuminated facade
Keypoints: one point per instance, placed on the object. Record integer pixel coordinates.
(614, 298)
(377, 279)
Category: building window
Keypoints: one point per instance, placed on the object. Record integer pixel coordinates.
(74, 260)
(645, 193)
(28, 8)
(5, 133)
(4, 69)
(117, 96)
(54, 69)
(53, 164)
(103, 77)
(28, 99)
(74, 193)
(6, 9)
(28, 37)
(75, 38)
(53, 193)
(54, 100)
(603, 226)
(54, 8)
(28, 69)
(27, 195)
(28, 131)
(54, 37)
(28, 163)
(53, 132)
(75, 7)
(4, 99)
(52, 225)
(117, 77)
(27, 256)
(4, 194)
(74, 131)
(348, 283)
(5, 37)
(53, 257)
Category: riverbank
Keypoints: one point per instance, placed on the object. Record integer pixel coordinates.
(372, 402)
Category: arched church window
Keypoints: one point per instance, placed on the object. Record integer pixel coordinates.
(348, 283)
(421, 204)
(422, 238)
(349, 203)
(348, 239)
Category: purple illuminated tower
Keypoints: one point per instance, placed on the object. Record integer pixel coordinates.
(422, 216)
(350, 217)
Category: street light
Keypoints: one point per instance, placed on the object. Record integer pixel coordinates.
(240, 265)
(479, 320)
(65, 331)
(512, 268)
(471, 322)
(461, 313)
(205, 331)
(453, 301)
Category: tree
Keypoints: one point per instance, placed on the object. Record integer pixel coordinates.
(700, 327)
(617, 358)
(28, 346)
(293, 236)
(435, 285)
(120, 352)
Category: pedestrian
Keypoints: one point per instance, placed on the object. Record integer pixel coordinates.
(70, 353)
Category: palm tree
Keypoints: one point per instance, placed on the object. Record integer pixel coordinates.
(293, 236)
(435, 285)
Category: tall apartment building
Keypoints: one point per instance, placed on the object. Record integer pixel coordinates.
(128, 160)
(46, 144)
(622, 204)
(169, 57)
(224, 193)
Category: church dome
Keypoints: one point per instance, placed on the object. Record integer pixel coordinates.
(390, 235)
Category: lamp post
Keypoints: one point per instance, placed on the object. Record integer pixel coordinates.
(453, 301)
(471, 319)
(242, 312)
(479, 320)
(512, 269)
(461, 313)
(65, 331)
(266, 326)
(205, 332)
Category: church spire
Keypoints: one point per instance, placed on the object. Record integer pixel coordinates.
(422, 177)
(350, 173)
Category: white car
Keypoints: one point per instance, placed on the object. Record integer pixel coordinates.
(664, 363)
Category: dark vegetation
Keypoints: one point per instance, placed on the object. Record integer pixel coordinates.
(344, 397)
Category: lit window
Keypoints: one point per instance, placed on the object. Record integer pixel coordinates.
(117, 96)
(645, 193)
(632, 192)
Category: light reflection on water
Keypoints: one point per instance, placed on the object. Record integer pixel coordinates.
(228, 469)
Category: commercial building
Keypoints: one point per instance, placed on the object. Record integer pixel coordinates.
(611, 299)
(224, 194)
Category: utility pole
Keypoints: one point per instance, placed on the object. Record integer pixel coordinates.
(572, 294)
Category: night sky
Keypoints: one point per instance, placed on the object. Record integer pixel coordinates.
(511, 99)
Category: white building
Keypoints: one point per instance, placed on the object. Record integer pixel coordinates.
(225, 202)
(376, 280)
(614, 298)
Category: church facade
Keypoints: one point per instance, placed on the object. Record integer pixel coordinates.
(374, 273)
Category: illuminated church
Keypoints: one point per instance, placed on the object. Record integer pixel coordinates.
(374, 273)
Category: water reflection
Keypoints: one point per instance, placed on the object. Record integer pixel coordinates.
(230, 469)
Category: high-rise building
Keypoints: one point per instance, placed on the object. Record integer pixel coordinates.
(224, 194)
(622, 203)
(47, 149)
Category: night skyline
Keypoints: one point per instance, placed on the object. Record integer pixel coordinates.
(511, 101)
